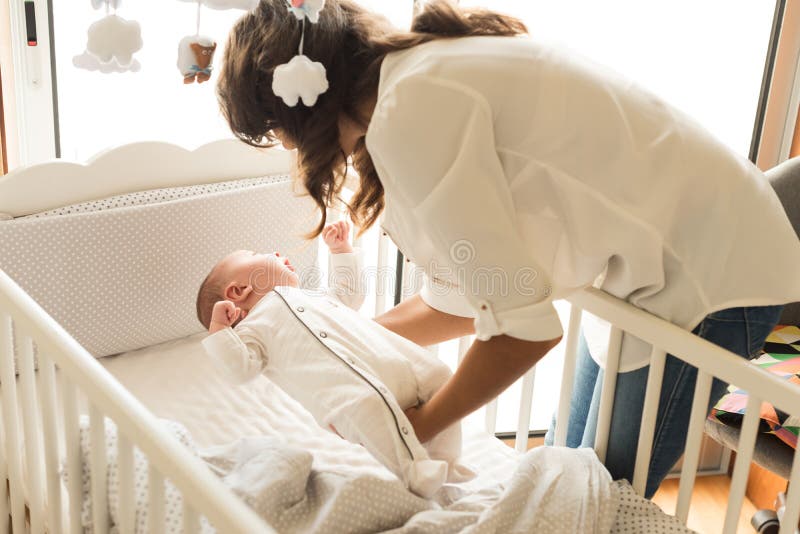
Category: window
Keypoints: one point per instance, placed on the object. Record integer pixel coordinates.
(98, 111)
(706, 58)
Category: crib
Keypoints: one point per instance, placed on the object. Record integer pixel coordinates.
(50, 382)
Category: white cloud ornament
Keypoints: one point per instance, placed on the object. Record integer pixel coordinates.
(307, 8)
(247, 5)
(114, 38)
(298, 79)
(113, 4)
(88, 62)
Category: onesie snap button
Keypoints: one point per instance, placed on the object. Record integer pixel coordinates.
(405, 430)
(352, 361)
(301, 309)
(323, 334)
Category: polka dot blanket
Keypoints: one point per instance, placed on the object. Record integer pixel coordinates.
(552, 490)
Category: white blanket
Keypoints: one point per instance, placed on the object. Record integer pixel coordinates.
(552, 490)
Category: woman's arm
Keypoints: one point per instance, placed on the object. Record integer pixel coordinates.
(415, 320)
(489, 367)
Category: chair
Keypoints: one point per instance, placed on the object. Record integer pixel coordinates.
(771, 453)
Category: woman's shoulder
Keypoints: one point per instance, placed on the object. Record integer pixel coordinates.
(457, 60)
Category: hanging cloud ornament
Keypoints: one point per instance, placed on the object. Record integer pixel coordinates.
(113, 4)
(307, 9)
(88, 62)
(300, 78)
(113, 37)
(246, 5)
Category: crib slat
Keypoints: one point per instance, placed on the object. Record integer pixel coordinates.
(99, 466)
(491, 417)
(741, 469)
(607, 395)
(381, 288)
(127, 500)
(648, 425)
(155, 513)
(72, 445)
(524, 416)
(55, 512)
(5, 512)
(691, 455)
(791, 513)
(357, 240)
(32, 441)
(408, 280)
(568, 375)
(8, 389)
(191, 521)
(463, 346)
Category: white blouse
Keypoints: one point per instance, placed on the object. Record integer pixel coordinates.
(515, 174)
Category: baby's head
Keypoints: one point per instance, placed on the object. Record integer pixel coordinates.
(243, 277)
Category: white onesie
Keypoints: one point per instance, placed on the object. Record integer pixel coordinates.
(348, 371)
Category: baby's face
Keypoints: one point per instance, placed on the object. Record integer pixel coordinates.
(261, 271)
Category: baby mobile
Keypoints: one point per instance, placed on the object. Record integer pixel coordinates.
(111, 42)
(196, 52)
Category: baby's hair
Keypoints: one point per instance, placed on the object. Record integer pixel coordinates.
(210, 293)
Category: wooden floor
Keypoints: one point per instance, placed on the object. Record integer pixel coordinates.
(709, 499)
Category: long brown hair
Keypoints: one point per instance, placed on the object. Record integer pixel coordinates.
(351, 42)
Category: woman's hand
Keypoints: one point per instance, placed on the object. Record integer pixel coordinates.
(337, 237)
(488, 368)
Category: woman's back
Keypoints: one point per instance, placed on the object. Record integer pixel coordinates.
(600, 173)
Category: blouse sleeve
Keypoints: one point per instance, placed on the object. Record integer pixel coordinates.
(432, 142)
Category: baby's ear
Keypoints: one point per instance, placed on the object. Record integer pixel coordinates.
(236, 292)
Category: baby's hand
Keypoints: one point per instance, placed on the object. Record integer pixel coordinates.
(337, 237)
(224, 314)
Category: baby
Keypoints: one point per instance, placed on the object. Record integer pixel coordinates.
(352, 374)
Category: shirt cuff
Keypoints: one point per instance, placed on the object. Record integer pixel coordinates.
(230, 355)
(445, 299)
(535, 322)
(347, 260)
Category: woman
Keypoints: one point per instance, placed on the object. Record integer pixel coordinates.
(515, 174)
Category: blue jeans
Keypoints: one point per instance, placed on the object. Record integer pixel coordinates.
(739, 330)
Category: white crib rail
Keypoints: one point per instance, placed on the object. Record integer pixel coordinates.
(34, 479)
(711, 361)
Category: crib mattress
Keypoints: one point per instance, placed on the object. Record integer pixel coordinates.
(177, 381)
